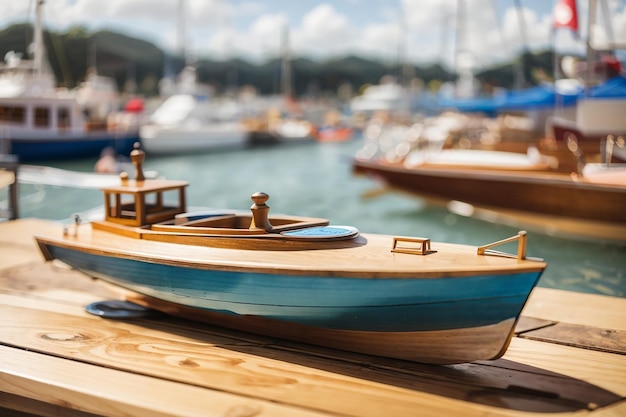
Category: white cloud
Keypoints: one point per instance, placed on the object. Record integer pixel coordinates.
(323, 29)
(531, 32)
(379, 39)
(261, 40)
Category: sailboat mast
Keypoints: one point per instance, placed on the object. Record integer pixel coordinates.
(38, 35)
(286, 80)
(590, 52)
(403, 75)
(460, 32)
(465, 62)
(181, 34)
(520, 78)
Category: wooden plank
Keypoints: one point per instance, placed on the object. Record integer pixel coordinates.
(31, 407)
(107, 392)
(20, 232)
(297, 374)
(199, 359)
(17, 244)
(526, 324)
(16, 254)
(599, 369)
(35, 279)
(586, 337)
(577, 308)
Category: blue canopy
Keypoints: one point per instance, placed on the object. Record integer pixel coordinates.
(543, 96)
(615, 87)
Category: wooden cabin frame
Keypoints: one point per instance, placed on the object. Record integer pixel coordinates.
(140, 203)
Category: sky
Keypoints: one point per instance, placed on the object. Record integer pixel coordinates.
(487, 32)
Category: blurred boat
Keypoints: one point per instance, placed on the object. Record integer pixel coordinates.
(282, 121)
(388, 96)
(292, 130)
(600, 113)
(300, 278)
(40, 122)
(334, 134)
(550, 115)
(277, 126)
(588, 205)
(334, 129)
(184, 124)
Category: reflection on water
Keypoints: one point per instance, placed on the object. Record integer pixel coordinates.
(316, 180)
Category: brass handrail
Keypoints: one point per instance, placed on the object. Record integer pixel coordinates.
(522, 239)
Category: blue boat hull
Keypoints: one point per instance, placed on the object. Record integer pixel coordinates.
(33, 150)
(380, 305)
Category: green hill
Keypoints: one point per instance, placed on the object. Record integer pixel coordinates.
(129, 59)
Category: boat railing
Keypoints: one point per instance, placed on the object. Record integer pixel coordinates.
(521, 239)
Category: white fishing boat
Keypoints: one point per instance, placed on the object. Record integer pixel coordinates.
(41, 122)
(182, 124)
(192, 120)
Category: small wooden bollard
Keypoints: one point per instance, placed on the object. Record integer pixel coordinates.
(138, 156)
(422, 249)
(260, 212)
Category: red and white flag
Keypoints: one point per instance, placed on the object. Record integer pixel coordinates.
(566, 15)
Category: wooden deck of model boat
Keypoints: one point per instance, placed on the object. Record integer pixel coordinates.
(354, 257)
(567, 357)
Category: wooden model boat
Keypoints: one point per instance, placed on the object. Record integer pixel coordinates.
(299, 278)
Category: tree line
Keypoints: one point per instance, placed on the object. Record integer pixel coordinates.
(138, 65)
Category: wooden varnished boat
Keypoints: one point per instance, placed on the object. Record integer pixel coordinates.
(300, 278)
(589, 205)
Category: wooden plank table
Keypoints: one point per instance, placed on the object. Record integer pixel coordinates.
(569, 357)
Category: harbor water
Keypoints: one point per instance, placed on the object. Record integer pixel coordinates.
(315, 179)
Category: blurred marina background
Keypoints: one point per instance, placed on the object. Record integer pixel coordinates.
(315, 179)
(287, 71)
